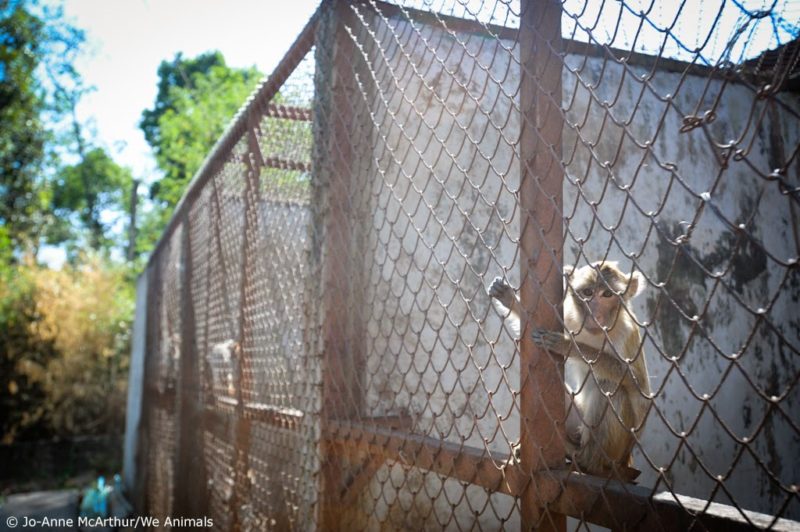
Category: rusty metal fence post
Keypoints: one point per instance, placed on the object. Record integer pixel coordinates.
(541, 376)
(242, 373)
(333, 162)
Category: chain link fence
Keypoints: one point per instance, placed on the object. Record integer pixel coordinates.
(321, 346)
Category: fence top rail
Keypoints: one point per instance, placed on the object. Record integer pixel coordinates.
(758, 69)
(257, 104)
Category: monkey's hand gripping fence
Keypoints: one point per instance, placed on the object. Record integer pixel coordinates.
(320, 350)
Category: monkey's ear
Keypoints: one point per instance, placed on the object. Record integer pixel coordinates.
(636, 284)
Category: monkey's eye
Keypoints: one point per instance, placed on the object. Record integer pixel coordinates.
(607, 293)
(587, 292)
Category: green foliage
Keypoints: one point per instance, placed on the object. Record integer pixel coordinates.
(22, 135)
(176, 73)
(197, 99)
(38, 85)
(63, 334)
(64, 343)
(150, 227)
(94, 186)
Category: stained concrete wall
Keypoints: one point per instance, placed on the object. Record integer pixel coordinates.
(440, 189)
(714, 377)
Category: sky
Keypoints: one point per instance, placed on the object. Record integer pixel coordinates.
(128, 39)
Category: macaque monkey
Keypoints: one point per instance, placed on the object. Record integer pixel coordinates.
(605, 359)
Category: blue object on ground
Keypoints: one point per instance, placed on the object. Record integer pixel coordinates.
(95, 500)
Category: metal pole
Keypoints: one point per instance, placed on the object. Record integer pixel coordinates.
(541, 376)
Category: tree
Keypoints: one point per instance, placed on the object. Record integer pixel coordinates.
(22, 393)
(64, 344)
(38, 84)
(63, 333)
(176, 73)
(197, 98)
(85, 313)
(93, 189)
(22, 136)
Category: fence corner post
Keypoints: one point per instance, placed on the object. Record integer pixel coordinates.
(541, 376)
(333, 167)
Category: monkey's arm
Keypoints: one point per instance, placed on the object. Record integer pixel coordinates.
(560, 343)
(605, 363)
(507, 302)
(563, 344)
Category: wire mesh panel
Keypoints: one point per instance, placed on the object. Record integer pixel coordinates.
(682, 170)
(243, 450)
(418, 173)
(492, 265)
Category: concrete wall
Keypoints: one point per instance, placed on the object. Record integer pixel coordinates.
(439, 187)
(440, 223)
(689, 361)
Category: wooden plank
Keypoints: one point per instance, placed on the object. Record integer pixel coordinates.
(281, 417)
(359, 479)
(622, 506)
(462, 462)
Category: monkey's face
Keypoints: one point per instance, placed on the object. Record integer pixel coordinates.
(594, 297)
